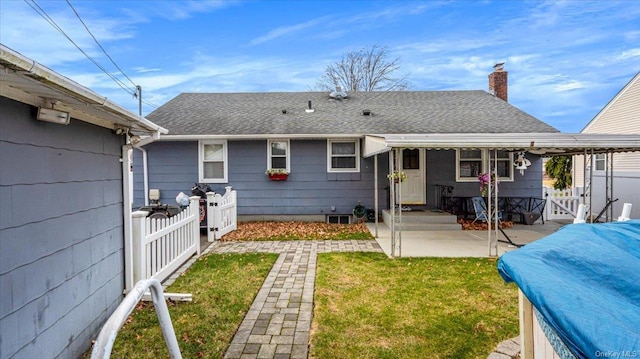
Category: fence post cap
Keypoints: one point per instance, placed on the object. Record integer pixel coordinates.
(139, 214)
(194, 198)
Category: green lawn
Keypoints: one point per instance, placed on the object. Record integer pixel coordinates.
(366, 306)
(369, 306)
(223, 288)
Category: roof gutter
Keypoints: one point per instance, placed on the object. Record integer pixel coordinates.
(541, 143)
(257, 137)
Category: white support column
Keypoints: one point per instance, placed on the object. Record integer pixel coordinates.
(375, 193)
(590, 213)
(496, 209)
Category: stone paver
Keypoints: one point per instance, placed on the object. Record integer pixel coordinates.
(508, 349)
(278, 322)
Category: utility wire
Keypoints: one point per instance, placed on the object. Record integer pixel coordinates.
(47, 18)
(98, 43)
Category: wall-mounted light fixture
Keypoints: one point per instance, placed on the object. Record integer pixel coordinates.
(134, 139)
(120, 130)
(52, 115)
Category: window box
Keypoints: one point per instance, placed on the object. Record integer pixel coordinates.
(277, 174)
(278, 177)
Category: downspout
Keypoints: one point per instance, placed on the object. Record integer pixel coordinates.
(127, 203)
(145, 175)
(127, 175)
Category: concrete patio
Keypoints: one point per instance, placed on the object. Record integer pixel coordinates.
(458, 242)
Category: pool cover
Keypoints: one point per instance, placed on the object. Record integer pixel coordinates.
(585, 281)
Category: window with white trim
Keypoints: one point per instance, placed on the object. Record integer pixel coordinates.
(471, 163)
(503, 165)
(599, 162)
(278, 154)
(212, 160)
(343, 155)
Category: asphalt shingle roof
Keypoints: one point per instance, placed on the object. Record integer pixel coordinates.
(397, 112)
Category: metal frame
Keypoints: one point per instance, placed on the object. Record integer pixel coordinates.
(106, 338)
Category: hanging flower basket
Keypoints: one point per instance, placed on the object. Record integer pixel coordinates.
(486, 180)
(397, 176)
(277, 174)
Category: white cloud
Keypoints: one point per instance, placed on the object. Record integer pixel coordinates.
(286, 31)
(628, 54)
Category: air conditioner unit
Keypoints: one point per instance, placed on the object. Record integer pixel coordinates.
(55, 116)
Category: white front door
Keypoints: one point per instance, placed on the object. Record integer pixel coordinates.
(414, 187)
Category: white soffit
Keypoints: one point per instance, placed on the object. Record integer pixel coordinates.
(26, 81)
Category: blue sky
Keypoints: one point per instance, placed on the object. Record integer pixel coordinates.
(566, 59)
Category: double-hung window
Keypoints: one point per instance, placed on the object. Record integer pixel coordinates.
(471, 163)
(278, 155)
(599, 162)
(212, 160)
(343, 155)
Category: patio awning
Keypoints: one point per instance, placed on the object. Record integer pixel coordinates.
(537, 143)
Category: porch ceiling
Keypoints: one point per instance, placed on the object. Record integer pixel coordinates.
(547, 144)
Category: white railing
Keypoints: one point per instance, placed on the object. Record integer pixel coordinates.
(160, 246)
(561, 204)
(222, 213)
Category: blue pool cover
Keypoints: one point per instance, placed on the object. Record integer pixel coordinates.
(585, 282)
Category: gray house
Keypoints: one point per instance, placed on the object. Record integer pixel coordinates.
(63, 210)
(326, 142)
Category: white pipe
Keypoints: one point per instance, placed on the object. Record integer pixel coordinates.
(626, 212)
(107, 336)
(582, 213)
(145, 175)
(128, 229)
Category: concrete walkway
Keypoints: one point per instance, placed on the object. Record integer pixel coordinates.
(278, 322)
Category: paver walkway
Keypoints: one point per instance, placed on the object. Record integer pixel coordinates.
(278, 322)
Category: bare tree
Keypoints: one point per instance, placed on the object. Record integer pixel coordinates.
(364, 70)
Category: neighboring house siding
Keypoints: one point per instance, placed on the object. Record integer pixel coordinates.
(61, 233)
(620, 116)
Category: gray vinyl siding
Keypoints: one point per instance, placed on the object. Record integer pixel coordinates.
(61, 233)
(310, 189)
(441, 169)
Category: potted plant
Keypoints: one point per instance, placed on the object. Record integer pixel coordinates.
(397, 176)
(277, 174)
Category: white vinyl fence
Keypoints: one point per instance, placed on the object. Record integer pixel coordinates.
(222, 213)
(561, 204)
(160, 246)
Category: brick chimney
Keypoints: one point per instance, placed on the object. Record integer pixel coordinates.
(498, 82)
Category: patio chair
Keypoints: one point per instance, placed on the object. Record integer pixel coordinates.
(481, 215)
(480, 209)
